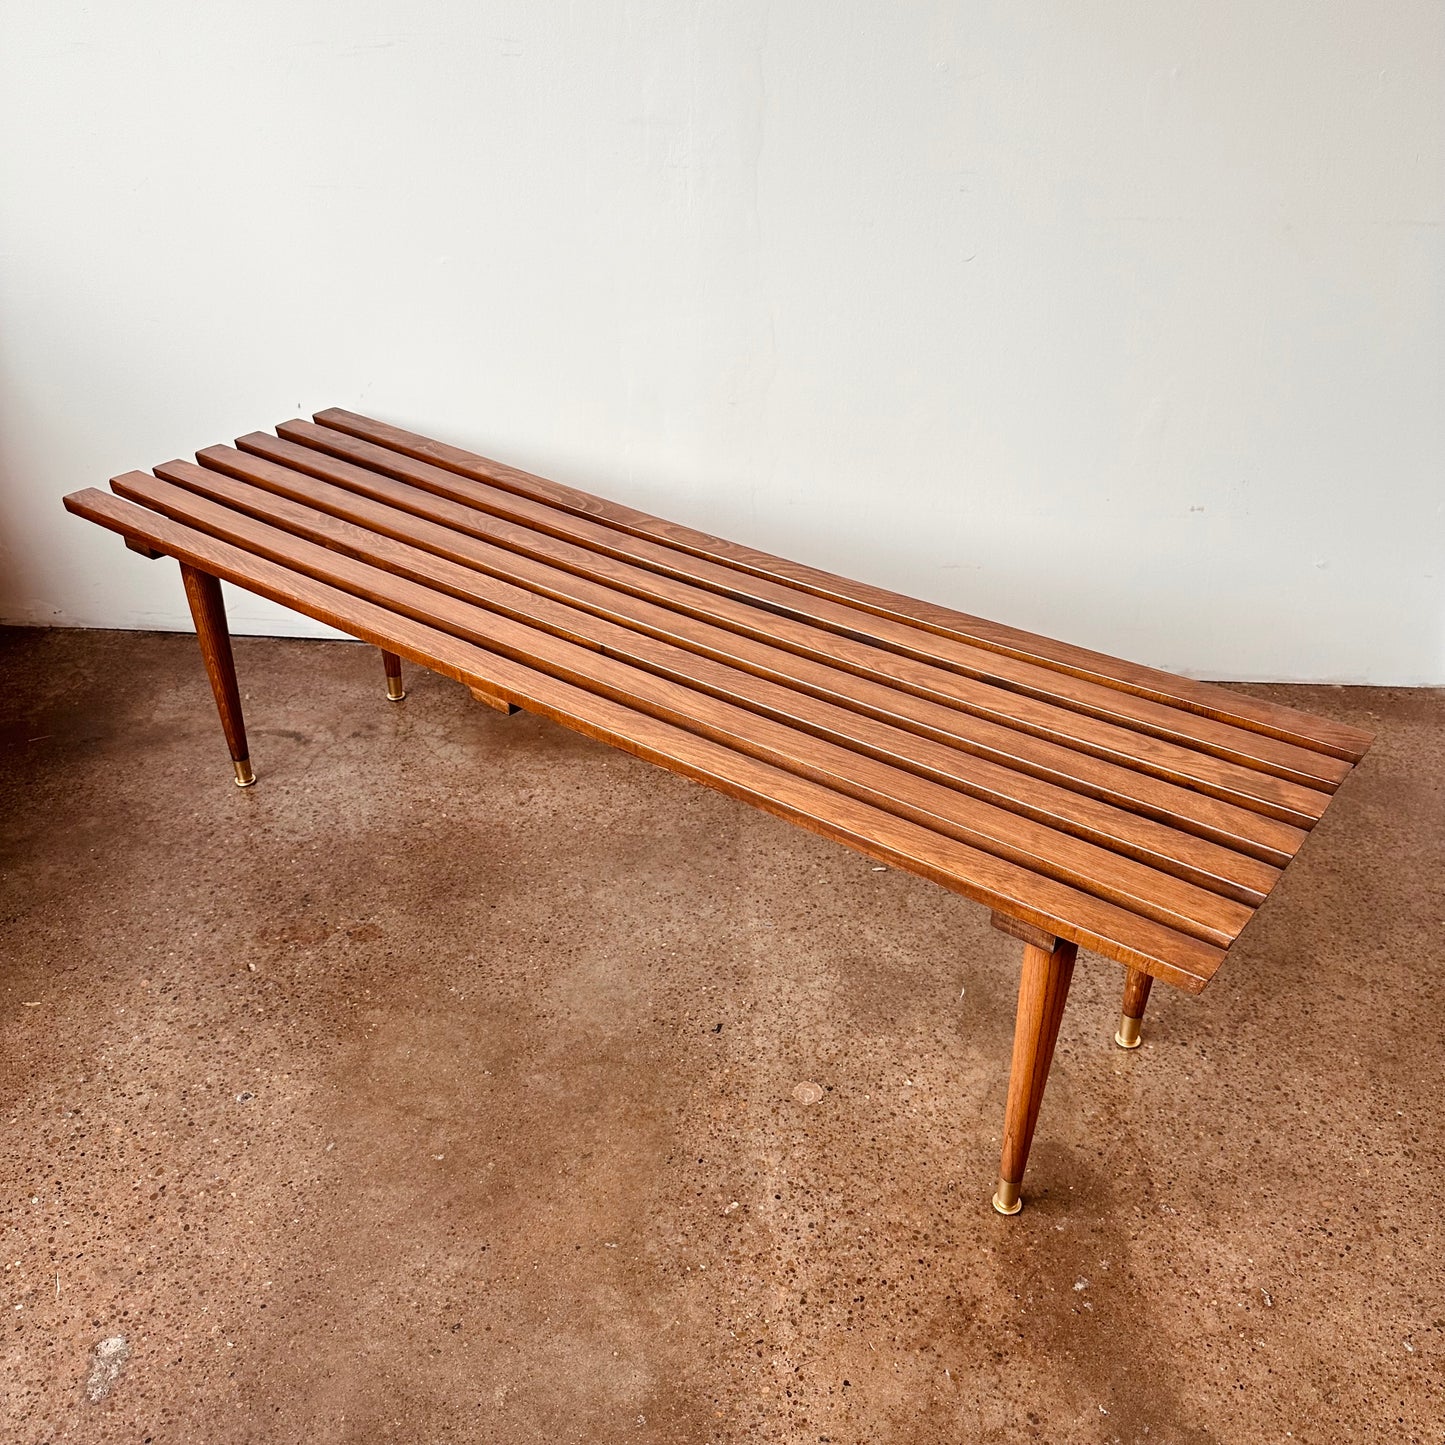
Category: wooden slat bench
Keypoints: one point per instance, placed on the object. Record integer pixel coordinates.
(1086, 801)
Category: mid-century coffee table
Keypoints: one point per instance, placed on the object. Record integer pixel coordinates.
(1087, 802)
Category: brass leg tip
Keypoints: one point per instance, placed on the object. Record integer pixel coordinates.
(395, 692)
(1006, 1198)
(245, 778)
(1128, 1035)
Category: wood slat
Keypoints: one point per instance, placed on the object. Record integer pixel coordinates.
(773, 723)
(241, 480)
(1044, 902)
(1287, 801)
(1288, 724)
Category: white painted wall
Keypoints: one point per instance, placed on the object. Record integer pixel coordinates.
(1121, 321)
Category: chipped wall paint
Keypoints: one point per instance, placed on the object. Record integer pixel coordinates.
(1121, 322)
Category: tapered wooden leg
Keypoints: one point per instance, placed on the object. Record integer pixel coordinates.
(208, 609)
(1043, 990)
(1137, 984)
(392, 663)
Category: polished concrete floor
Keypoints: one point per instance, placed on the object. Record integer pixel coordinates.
(449, 1086)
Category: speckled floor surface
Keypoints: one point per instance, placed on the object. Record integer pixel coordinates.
(444, 1087)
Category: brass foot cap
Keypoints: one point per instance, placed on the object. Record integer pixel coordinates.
(1128, 1035)
(395, 692)
(1006, 1198)
(245, 778)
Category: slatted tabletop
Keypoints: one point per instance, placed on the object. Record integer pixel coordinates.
(1141, 815)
